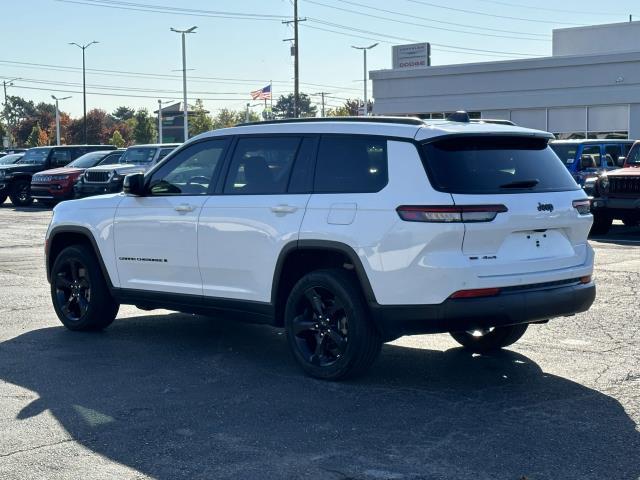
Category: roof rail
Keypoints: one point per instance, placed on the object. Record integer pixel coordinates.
(399, 120)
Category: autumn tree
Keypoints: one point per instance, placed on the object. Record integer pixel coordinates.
(38, 137)
(199, 120)
(145, 128)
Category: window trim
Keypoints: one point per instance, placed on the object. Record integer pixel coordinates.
(232, 151)
(384, 138)
(214, 176)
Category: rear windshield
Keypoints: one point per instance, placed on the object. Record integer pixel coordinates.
(495, 165)
(138, 155)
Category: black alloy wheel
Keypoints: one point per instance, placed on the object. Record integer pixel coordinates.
(321, 327)
(79, 291)
(21, 194)
(329, 327)
(72, 289)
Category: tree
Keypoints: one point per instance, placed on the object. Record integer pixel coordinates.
(123, 113)
(199, 120)
(37, 137)
(145, 128)
(284, 107)
(117, 140)
(17, 109)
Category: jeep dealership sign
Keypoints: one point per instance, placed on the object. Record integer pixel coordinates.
(416, 55)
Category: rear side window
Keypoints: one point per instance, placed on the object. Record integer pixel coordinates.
(566, 152)
(261, 165)
(351, 164)
(495, 165)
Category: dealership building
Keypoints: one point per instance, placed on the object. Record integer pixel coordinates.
(588, 88)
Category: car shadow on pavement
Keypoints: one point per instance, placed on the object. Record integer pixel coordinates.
(179, 396)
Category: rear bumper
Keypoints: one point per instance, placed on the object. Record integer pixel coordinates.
(508, 308)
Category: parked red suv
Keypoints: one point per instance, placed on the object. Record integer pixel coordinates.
(55, 185)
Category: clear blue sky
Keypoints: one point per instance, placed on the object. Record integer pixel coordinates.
(238, 55)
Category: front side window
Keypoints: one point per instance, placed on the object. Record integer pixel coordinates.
(351, 164)
(566, 152)
(261, 165)
(478, 165)
(634, 156)
(611, 155)
(190, 172)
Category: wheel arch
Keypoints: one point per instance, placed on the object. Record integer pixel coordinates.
(65, 236)
(298, 258)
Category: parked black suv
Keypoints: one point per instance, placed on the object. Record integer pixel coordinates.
(15, 180)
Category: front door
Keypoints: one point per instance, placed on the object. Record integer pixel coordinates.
(156, 235)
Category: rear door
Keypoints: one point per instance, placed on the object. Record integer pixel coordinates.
(540, 229)
(243, 229)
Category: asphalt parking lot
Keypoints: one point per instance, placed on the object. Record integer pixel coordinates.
(171, 396)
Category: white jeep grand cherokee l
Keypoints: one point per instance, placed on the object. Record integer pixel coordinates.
(348, 233)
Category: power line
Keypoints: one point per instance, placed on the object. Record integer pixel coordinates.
(475, 12)
(405, 22)
(547, 9)
(369, 32)
(145, 75)
(173, 10)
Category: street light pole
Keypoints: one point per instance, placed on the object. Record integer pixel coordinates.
(58, 117)
(84, 87)
(364, 49)
(184, 78)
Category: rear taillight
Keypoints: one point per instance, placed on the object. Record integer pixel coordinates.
(476, 293)
(582, 206)
(450, 213)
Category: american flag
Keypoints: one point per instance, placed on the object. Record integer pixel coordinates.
(262, 94)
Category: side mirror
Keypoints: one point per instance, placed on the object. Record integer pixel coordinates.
(621, 161)
(134, 184)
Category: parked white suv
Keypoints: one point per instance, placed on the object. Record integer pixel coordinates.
(349, 233)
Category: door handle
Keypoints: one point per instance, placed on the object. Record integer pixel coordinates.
(184, 208)
(284, 209)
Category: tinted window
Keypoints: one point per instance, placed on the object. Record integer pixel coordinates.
(351, 164)
(611, 155)
(138, 155)
(261, 165)
(634, 156)
(164, 152)
(489, 165)
(111, 159)
(566, 152)
(87, 160)
(35, 156)
(190, 172)
(590, 157)
(61, 157)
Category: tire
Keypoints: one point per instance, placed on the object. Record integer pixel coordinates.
(79, 292)
(3, 198)
(328, 325)
(490, 340)
(21, 193)
(601, 223)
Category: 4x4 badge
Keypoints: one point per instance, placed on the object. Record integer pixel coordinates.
(545, 207)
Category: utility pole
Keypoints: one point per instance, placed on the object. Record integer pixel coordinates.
(322, 94)
(364, 49)
(84, 87)
(160, 102)
(296, 59)
(58, 117)
(5, 84)
(185, 107)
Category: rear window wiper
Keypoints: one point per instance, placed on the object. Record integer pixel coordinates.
(521, 184)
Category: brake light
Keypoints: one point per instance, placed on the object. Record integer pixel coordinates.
(450, 213)
(477, 292)
(582, 206)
